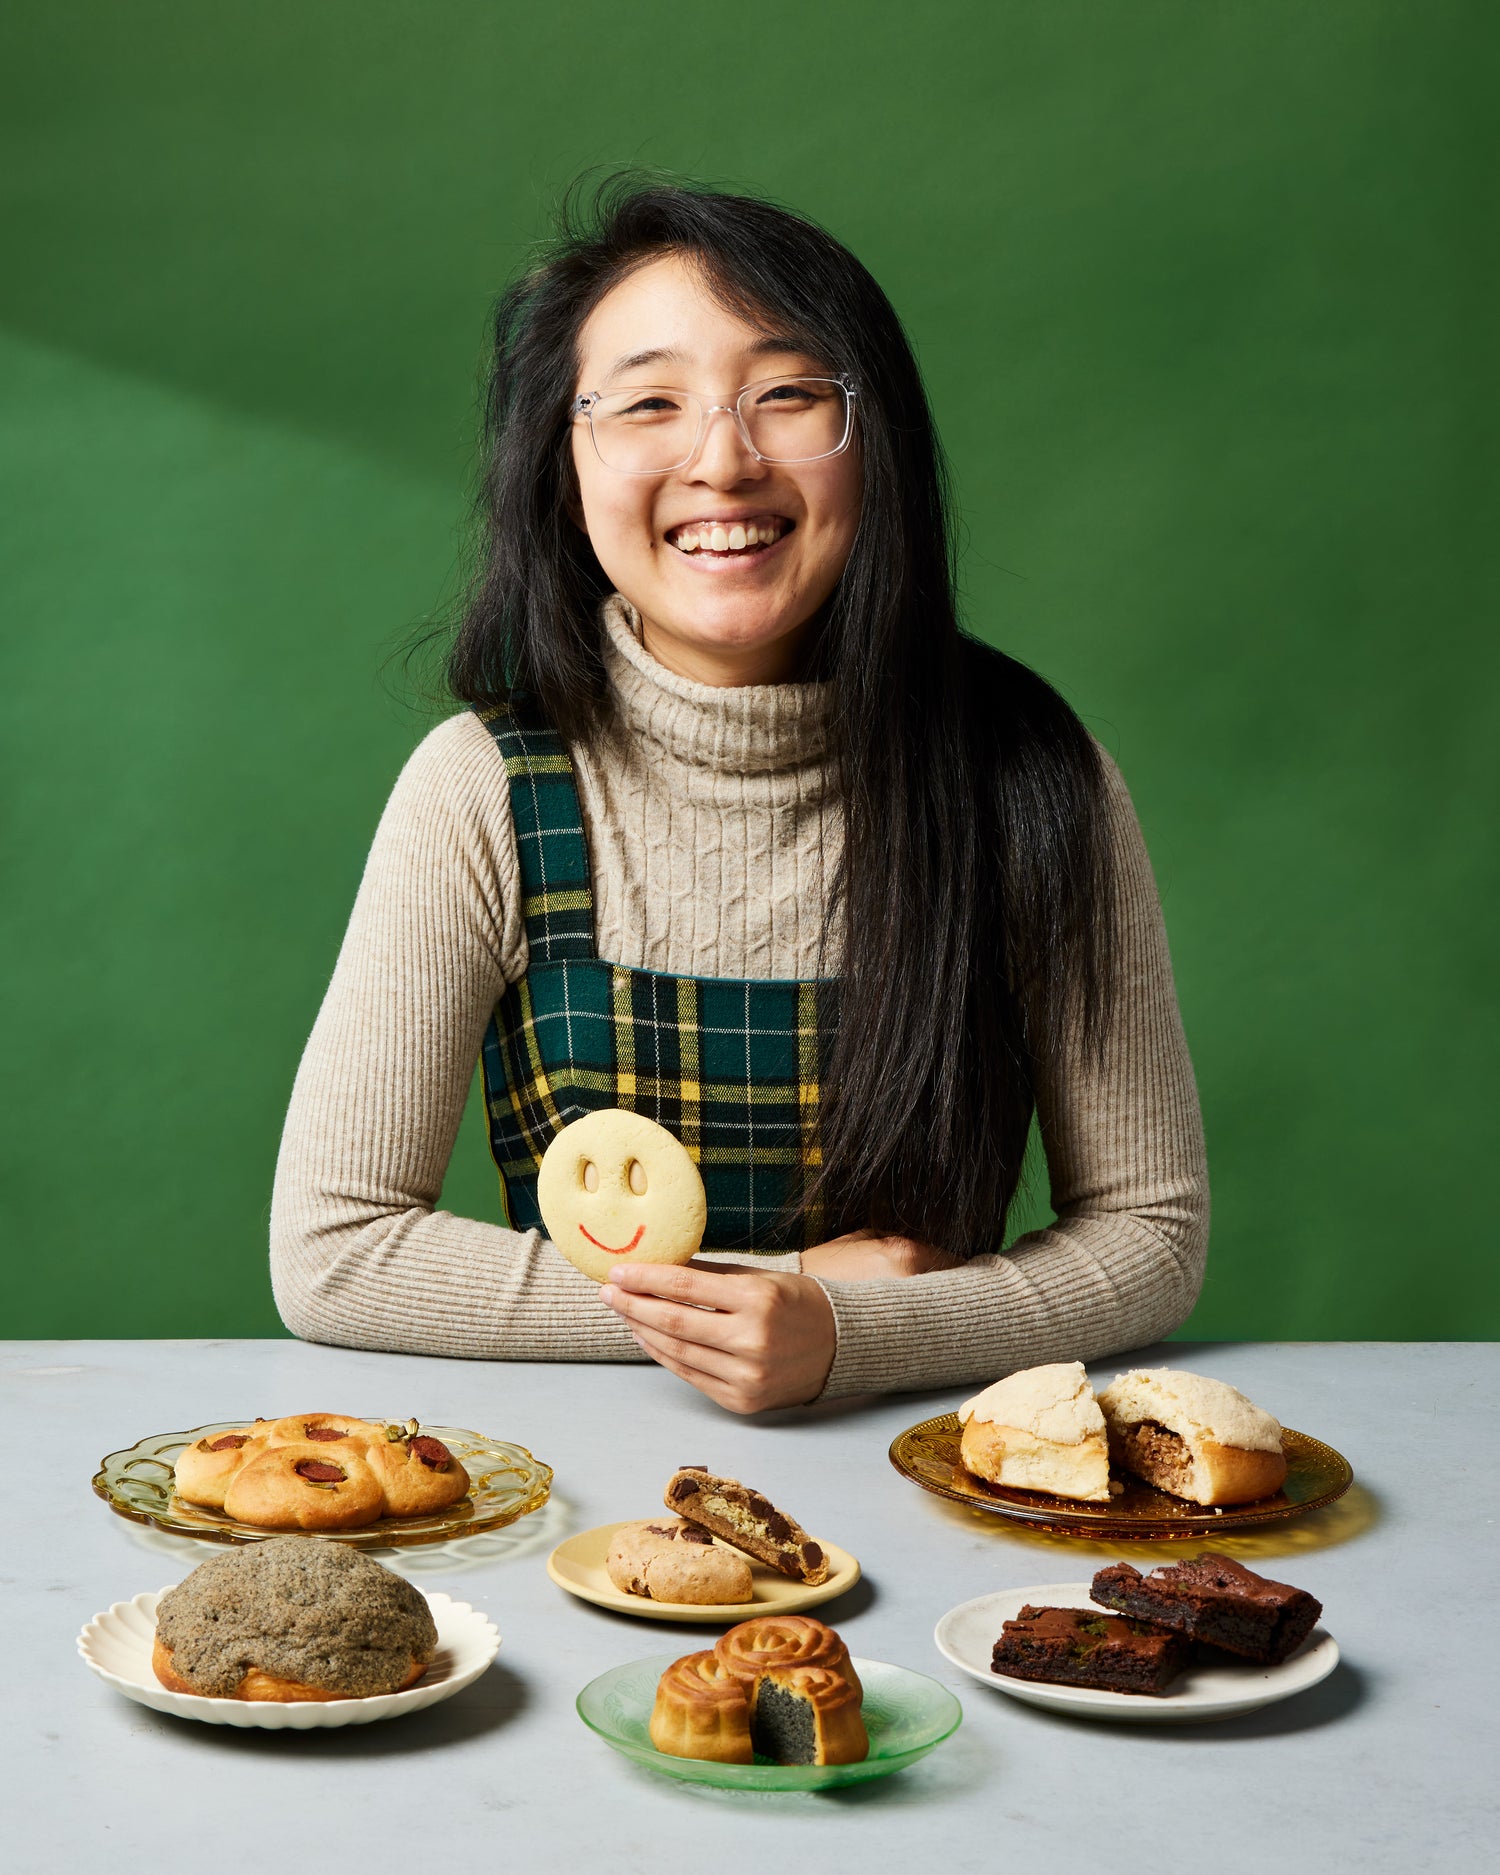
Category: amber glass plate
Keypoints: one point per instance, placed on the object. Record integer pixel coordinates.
(506, 1483)
(928, 1455)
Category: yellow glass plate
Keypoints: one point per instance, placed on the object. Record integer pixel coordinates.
(928, 1454)
(506, 1482)
(577, 1565)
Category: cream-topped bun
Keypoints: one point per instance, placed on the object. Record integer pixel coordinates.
(1191, 1436)
(616, 1187)
(1192, 1406)
(1039, 1430)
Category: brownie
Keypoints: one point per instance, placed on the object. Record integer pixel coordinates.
(1076, 1647)
(1214, 1599)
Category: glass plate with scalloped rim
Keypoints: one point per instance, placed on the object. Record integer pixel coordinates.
(117, 1646)
(1215, 1686)
(506, 1482)
(927, 1453)
(906, 1714)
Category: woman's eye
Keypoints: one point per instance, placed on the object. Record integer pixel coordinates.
(649, 407)
(797, 395)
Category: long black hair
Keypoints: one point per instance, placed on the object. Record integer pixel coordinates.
(975, 897)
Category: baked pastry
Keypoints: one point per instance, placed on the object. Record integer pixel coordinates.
(755, 1647)
(321, 1429)
(204, 1469)
(676, 1562)
(807, 1715)
(417, 1473)
(783, 1688)
(320, 1471)
(749, 1521)
(615, 1185)
(1039, 1430)
(1193, 1437)
(304, 1487)
(1214, 1599)
(293, 1618)
(1076, 1647)
(701, 1711)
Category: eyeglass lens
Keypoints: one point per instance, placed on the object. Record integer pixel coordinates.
(646, 431)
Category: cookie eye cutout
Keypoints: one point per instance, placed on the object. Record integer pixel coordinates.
(635, 1177)
(590, 1175)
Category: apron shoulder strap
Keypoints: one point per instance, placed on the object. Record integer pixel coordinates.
(557, 894)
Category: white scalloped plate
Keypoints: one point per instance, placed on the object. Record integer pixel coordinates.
(966, 1635)
(117, 1646)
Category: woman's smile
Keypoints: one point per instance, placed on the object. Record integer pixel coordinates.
(729, 540)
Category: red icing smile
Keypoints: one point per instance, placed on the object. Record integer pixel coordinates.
(640, 1231)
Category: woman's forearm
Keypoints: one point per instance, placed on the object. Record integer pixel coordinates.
(1081, 1289)
(360, 1254)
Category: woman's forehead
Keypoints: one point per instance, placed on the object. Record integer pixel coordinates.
(662, 323)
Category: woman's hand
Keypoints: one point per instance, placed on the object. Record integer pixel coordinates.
(861, 1258)
(747, 1338)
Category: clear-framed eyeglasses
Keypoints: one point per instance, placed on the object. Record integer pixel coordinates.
(648, 430)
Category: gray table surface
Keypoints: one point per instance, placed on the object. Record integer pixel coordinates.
(1388, 1765)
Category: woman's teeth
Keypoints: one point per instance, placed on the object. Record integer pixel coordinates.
(716, 538)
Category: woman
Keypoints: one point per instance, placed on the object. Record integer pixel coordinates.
(744, 833)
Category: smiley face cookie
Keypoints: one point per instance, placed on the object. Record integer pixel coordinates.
(615, 1186)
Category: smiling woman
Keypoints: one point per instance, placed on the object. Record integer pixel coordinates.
(743, 834)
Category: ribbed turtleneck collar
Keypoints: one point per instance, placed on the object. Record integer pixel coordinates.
(757, 729)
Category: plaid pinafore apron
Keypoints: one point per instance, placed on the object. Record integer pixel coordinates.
(732, 1066)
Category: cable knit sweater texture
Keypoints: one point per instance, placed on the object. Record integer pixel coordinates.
(714, 835)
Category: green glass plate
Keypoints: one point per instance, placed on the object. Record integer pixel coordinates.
(905, 1714)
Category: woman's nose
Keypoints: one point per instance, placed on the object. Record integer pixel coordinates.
(723, 455)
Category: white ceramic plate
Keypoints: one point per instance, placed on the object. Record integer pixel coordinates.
(117, 1646)
(966, 1635)
(578, 1566)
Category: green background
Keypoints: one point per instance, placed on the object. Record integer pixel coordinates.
(1197, 288)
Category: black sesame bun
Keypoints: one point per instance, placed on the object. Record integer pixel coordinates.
(290, 1619)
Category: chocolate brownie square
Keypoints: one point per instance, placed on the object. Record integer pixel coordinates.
(1076, 1647)
(1214, 1599)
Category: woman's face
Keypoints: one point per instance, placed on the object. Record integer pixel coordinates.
(716, 617)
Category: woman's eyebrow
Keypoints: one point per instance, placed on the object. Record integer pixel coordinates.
(658, 355)
(771, 345)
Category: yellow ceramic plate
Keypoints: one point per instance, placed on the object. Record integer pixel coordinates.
(578, 1567)
(506, 1483)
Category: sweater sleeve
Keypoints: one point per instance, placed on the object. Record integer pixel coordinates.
(360, 1256)
(1122, 1264)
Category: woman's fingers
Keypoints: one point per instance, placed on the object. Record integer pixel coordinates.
(684, 1357)
(694, 1284)
(748, 1340)
(675, 1321)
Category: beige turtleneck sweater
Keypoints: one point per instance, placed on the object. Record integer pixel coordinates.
(713, 836)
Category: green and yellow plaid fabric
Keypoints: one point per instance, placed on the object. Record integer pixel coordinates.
(733, 1067)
